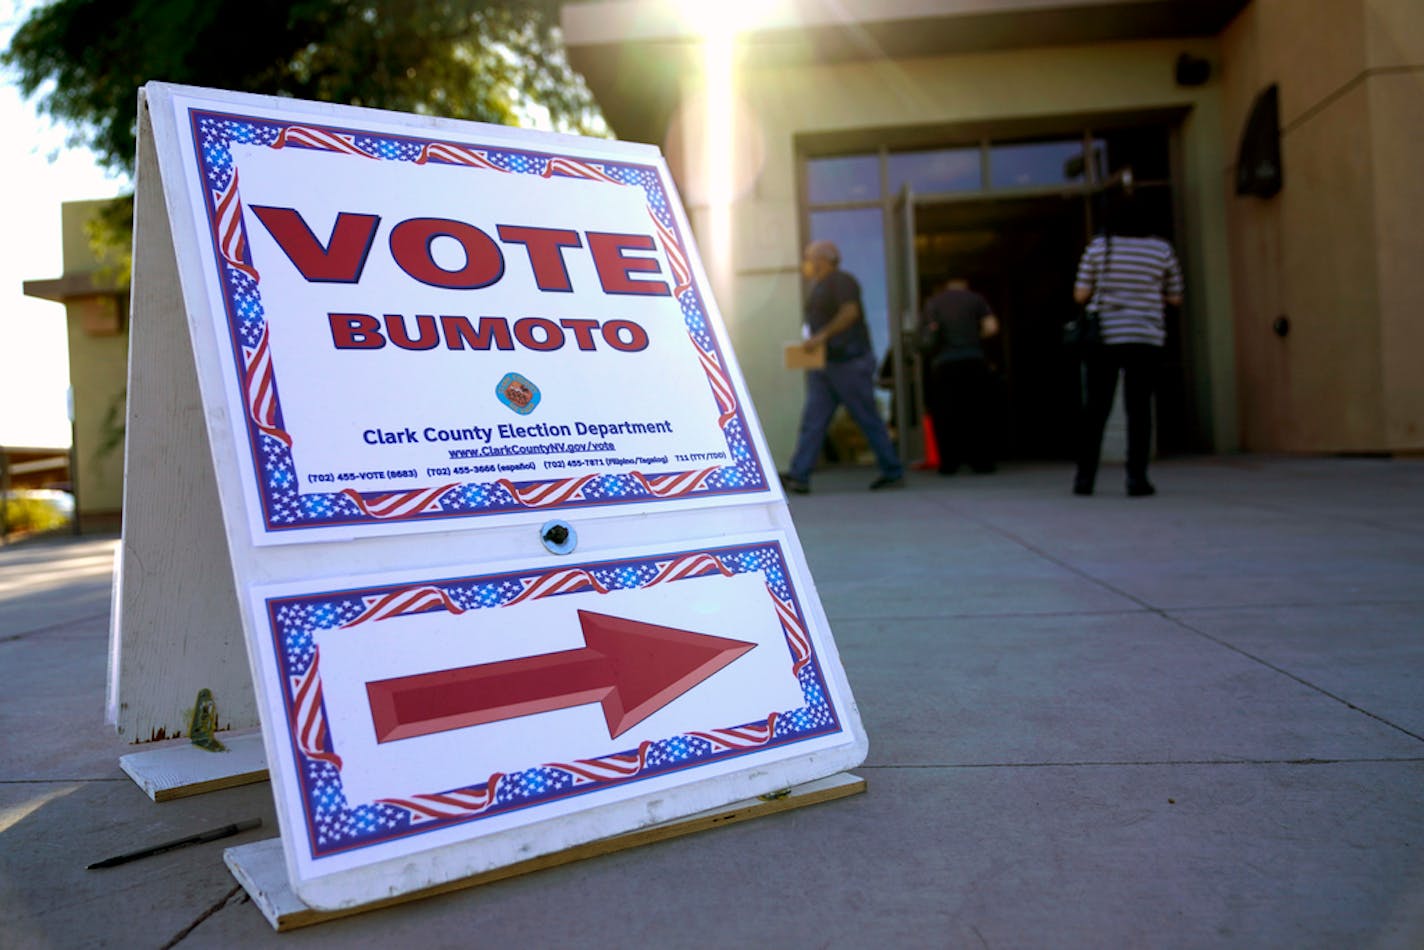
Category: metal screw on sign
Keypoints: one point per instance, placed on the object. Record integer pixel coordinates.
(559, 537)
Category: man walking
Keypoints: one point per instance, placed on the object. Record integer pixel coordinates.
(835, 320)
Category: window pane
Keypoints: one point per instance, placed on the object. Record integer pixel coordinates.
(848, 178)
(1036, 164)
(860, 235)
(942, 170)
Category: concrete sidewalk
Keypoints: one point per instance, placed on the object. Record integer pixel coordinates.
(1194, 720)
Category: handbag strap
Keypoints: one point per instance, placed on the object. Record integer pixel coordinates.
(1103, 270)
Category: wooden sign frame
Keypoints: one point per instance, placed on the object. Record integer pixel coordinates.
(205, 578)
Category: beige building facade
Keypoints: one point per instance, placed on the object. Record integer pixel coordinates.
(96, 316)
(979, 137)
(1337, 253)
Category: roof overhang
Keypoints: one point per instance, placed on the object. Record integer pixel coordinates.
(631, 52)
(73, 286)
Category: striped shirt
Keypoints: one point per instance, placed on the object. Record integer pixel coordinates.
(1128, 298)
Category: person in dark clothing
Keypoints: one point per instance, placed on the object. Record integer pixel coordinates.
(1127, 276)
(953, 327)
(835, 319)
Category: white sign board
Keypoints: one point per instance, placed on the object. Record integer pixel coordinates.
(414, 341)
(413, 322)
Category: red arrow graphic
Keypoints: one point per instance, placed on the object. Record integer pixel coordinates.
(632, 668)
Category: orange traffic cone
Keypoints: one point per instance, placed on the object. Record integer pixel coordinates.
(931, 447)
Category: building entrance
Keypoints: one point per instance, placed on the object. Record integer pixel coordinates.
(1021, 254)
(1011, 215)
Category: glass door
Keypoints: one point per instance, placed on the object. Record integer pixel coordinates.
(903, 286)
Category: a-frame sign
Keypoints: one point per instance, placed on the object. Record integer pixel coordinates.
(440, 419)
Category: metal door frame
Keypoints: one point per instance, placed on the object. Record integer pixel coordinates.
(903, 308)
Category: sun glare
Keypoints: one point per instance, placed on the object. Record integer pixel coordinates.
(719, 23)
(718, 50)
(710, 17)
(12, 815)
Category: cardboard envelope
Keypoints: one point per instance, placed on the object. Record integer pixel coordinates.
(797, 358)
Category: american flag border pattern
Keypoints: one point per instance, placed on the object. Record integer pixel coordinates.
(284, 505)
(335, 826)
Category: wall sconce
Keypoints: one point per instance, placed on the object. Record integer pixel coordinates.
(1258, 161)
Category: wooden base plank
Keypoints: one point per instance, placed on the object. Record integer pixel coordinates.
(177, 771)
(261, 868)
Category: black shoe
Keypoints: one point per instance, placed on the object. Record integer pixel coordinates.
(885, 481)
(984, 468)
(1082, 486)
(947, 469)
(794, 485)
(1139, 488)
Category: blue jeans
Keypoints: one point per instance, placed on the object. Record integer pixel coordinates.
(849, 383)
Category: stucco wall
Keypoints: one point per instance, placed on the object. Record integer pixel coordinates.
(98, 375)
(1336, 251)
(1394, 36)
(97, 370)
(762, 303)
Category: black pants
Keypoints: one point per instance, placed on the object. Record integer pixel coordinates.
(1137, 363)
(961, 407)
